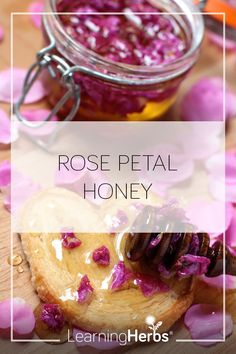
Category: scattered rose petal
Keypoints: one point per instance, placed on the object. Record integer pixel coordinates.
(1, 33)
(85, 290)
(150, 285)
(209, 215)
(69, 240)
(101, 256)
(23, 318)
(81, 340)
(37, 92)
(204, 101)
(192, 265)
(53, 316)
(230, 281)
(37, 115)
(36, 18)
(120, 275)
(205, 322)
(5, 174)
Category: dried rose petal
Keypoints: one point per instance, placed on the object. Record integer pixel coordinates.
(34, 7)
(204, 101)
(150, 285)
(23, 318)
(36, 93)
(120, 275)
(53, 317)
(192, 265)
(47, 333)
(102, 256)
(69, 240)
(5, 174)
(85, 290)
(206, 322)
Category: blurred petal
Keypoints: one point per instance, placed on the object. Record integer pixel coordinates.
(34, 7)
(230, 281)
(5, 129)
(5, 174)
(204, 101)
(217, 171)
(23, 317)
(36, 93)
(206, 322)
(208, 216)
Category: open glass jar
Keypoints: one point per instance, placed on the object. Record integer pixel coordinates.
(86, 85)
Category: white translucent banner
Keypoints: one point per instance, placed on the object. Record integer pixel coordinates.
(100, 177)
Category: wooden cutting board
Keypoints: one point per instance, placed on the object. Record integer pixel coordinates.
(27, 40)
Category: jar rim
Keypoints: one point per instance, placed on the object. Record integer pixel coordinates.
(172, 69)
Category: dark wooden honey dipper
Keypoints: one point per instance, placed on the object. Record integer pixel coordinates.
(167, 247)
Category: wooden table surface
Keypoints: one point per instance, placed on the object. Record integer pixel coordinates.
(27, 40)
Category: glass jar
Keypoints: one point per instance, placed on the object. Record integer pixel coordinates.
(88, 86)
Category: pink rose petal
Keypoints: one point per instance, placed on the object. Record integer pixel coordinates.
(230, 234)
(205, 322)
(204, 101)
(81, 340)
(23, 318)
(5, 131)
(120, 275)
(21, 189)
(222, 178)
(37, 92)
(1, 33)
(85, 290)
(5, 174)
(230, 281)
(150, 285)
(35, 8)
(208, 216)
(101, 256)
(69, 240)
